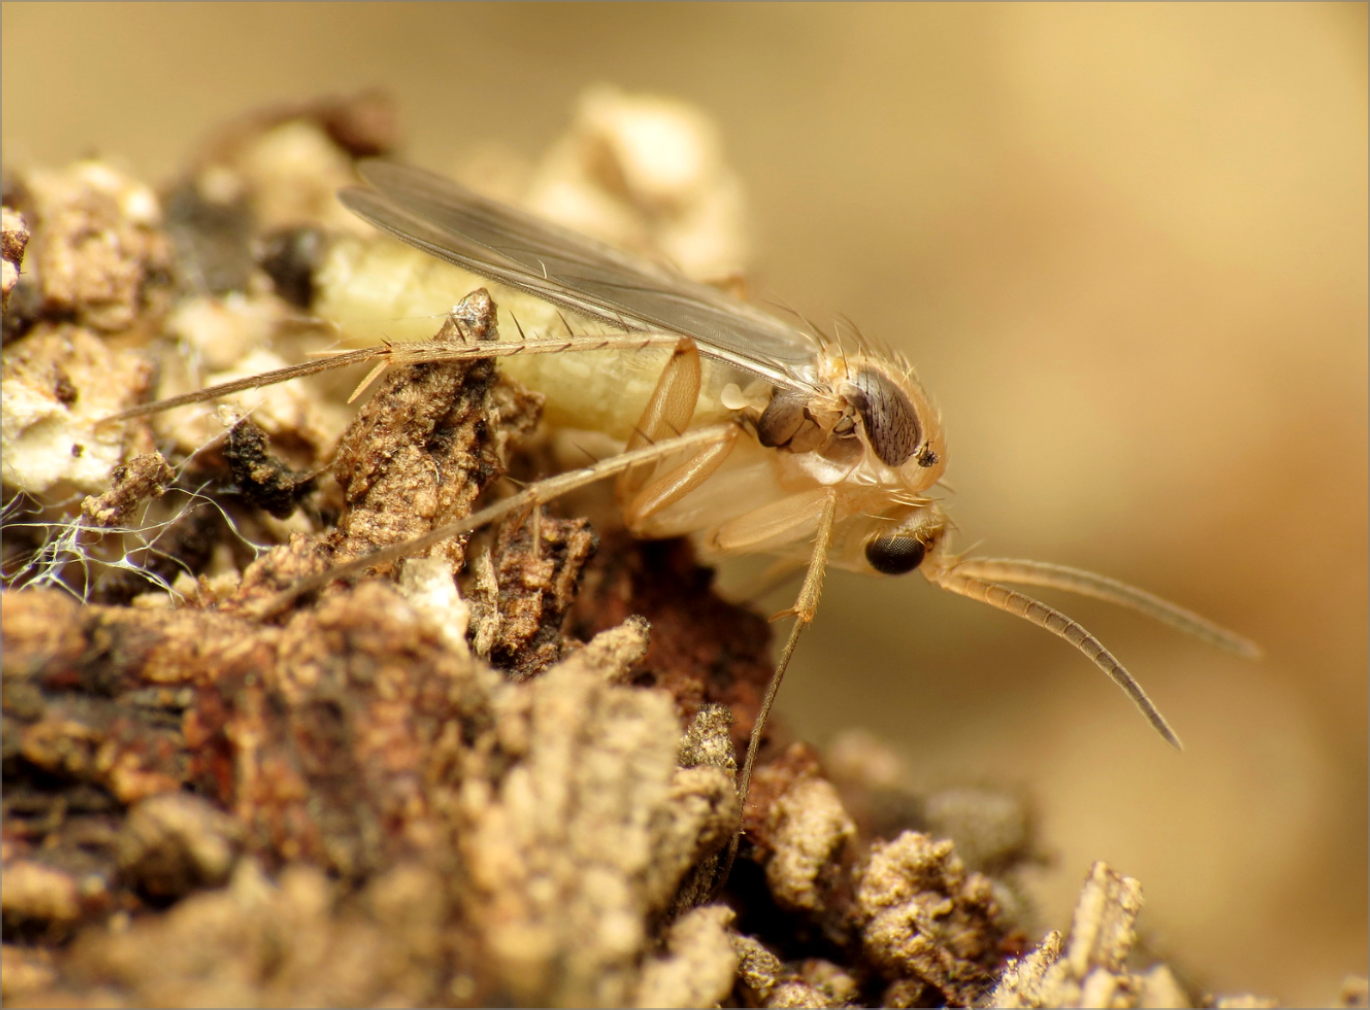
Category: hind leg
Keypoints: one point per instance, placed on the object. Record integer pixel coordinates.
(646, 490)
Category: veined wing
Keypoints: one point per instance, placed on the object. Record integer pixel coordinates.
(576, 272)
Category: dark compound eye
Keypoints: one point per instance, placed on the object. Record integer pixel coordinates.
(891, 421)
(897, 555)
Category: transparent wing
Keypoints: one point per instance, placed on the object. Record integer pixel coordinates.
(575, 272)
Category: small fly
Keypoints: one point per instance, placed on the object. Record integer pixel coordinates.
(753, 437)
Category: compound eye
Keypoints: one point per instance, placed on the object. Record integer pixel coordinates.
(896, 555)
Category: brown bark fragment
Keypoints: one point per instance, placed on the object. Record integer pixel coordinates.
(143, 477)
(13, 238)
(531, 574)
(425, 445)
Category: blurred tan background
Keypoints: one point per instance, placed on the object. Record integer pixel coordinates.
(1125, 246)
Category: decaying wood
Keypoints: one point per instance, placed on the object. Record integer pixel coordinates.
(499, 774)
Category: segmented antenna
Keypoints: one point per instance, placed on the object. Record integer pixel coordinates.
(957, 580)
(1075, 580)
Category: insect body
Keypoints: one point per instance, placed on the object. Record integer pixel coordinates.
(842, 447)
(829, 420)
(752, 436)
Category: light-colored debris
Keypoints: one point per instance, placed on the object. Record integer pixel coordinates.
(765, 981)
(708, 740)
(143, 477)
(99, 251)
(613, 652)
(834, 982)
(922, 917)
(34, 892)
(430, 586)
(219, 331)
(1160, 988)
(856, 755)
(810, 826)
(294, 942)
(758, 970)
(1090, 969)
(1102, 931)
(907, 992)
(707, 811)
(23, 969)
(560, 848)
(700, 965)
(795, 993)
(1021, 982)
(58, 382)
(221, 338)
(701, 818)
(286, 162)
(646, 172)
(293, 172)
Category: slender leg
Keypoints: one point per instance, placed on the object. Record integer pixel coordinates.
(540, 493)
(803, 610)
(676, 483)
(668, 412)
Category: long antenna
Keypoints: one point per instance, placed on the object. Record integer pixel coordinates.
(956, 580)
(1100, 587)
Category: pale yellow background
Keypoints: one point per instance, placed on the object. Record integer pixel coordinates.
(1125, 246)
